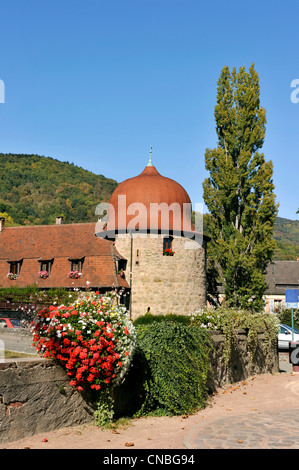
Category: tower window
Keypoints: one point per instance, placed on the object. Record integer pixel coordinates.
(167, 246)
(122, 266)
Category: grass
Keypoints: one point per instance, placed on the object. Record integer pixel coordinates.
(15, 354)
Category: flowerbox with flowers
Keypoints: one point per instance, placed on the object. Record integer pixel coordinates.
(43, 274)
(12, 276)
(93, 339)
(168, 252)
(74, 274)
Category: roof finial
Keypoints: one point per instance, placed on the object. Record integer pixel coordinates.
(150, 163)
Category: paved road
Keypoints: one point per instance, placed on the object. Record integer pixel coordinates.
(271, 429)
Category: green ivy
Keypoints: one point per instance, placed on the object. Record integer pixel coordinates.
(104, 413)
(170, 369)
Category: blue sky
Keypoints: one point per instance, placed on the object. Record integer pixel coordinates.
(98, 83)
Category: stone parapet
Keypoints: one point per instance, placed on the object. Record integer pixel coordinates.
(35, 395)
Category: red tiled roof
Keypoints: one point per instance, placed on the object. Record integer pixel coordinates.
(61, 243)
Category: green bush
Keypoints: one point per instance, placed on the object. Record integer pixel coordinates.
(228, 321)
(32, 294)
(171, 367)
(149, 318)
(285, 317)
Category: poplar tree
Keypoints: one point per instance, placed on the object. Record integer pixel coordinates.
(239, 193)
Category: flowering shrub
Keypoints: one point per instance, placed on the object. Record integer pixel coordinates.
(93, 339)
(43, 274)
(228, 320)
(12, 276)
(74, 274)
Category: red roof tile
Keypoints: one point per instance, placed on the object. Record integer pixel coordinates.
(61, 243)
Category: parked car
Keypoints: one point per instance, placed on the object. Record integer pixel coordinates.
(285, 336)
(10, 323)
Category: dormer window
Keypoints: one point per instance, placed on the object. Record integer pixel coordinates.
(45, 266)
(14, 269)
(76, 264)
(76, 267)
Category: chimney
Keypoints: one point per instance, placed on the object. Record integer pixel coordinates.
(59, 220)
(2, 223)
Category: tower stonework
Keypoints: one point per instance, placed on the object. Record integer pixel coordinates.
(164, 284)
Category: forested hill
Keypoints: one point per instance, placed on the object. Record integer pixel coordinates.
(286, 234)
(35, 190)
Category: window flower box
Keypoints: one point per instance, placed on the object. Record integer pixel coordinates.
(168, 252)
(12, 276)
(43, 274)
(74, 274)
(121, 273)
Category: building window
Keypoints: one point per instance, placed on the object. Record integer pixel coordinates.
(121, 267)
(45, 268)
(167, 246)
(14, 269)
(76, 267)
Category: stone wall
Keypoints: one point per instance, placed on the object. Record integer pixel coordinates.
(241, 365)
(35, 395)
(165, 284)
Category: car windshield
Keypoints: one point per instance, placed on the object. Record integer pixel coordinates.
(15, 322)
(289, 328)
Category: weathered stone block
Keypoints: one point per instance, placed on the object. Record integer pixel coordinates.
(36, 397)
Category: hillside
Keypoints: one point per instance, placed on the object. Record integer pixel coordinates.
(35, 190)
(286, 235)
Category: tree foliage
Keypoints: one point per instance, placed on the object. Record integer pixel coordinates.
(239, 192)
(36, 189)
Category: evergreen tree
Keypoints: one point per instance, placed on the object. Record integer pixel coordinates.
(239, 192)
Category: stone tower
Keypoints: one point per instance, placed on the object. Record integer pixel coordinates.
(149, 217)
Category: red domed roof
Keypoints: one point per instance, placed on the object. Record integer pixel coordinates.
(137, 201)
